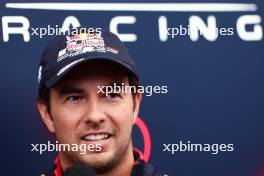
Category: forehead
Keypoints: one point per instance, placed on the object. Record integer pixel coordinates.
(95, 71)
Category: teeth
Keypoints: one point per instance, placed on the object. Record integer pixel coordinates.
(96, 137)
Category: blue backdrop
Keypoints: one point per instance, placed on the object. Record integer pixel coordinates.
(215, 90)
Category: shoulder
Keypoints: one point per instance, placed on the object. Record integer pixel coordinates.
(149, 170)
(143, 168)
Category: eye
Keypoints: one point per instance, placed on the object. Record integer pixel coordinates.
(112, 96)
(74, 98)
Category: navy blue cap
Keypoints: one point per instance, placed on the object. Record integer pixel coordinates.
(79, 45)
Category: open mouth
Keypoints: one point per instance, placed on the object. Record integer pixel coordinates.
(96, 137)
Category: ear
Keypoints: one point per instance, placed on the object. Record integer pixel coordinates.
(137, 101)
(45, 116)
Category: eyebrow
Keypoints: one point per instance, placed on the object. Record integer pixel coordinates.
(112, 83)
(69, 90)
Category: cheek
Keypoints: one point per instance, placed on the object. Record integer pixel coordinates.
(122, 117)
(65, 122)
(65, 117)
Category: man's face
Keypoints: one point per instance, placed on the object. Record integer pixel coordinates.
(81, 115)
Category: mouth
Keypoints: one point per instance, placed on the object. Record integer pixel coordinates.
(96, 137)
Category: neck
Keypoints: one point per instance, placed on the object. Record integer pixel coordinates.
(125, 166)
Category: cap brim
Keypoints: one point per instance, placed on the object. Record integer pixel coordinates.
(62, 71)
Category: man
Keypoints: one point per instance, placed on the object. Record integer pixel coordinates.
(73, 105)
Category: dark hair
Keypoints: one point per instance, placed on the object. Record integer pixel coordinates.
(44, 94)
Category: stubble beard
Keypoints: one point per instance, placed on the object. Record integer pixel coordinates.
(102, 166)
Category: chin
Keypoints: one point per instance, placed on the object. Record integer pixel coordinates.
(99, 160)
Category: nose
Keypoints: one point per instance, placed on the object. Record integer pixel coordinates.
(94, 114)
